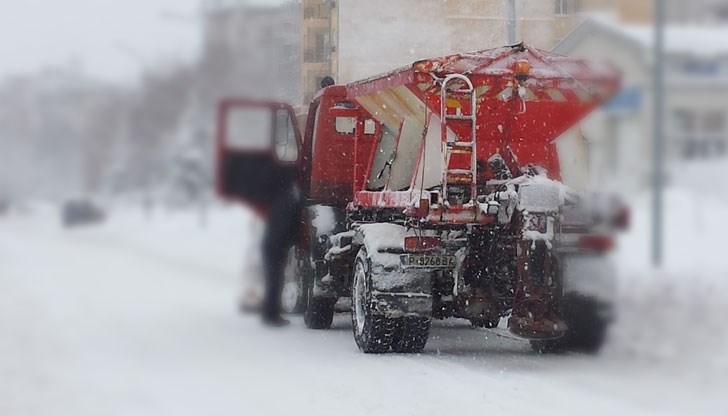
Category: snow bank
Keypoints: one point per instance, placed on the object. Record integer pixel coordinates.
(677, 313)
(695, 229)
(223, 241)
(672, 318)
(136, 317)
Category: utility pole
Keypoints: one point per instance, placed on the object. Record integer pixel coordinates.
(512, 21)
(657, 131)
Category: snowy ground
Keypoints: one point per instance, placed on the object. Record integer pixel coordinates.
(137, 317)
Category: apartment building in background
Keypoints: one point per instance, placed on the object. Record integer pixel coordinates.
(250, 49)
(696, 81)
(352, 39)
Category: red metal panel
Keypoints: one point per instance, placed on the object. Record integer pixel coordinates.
(401, 76)
(518, 117)
(332, 170)
(501, 123)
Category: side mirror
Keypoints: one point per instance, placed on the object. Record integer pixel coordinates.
(258, 150)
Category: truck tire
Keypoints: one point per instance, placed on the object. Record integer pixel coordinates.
(588, 324)
(373, 333)
(319, 313)
(411, 333)
(551, 346)
(589, 320)
(484, 323)
(293, 297)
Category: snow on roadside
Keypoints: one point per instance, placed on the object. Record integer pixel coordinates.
(222, 243)
(176, 347)
(675, 313)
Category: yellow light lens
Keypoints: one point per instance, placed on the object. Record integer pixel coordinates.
(523, 68)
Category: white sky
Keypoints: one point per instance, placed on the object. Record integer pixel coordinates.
(112, 40)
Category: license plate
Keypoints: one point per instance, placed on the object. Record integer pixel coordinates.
(428, 261)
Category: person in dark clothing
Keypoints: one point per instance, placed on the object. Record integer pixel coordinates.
(327, 81)
(282, 229)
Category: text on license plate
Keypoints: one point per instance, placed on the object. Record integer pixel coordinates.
(429, 261)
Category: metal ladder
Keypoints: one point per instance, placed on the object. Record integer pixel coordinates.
(467, 147)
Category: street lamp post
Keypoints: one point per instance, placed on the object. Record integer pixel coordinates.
(657, 131)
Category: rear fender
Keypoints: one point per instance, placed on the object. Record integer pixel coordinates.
(395, 291)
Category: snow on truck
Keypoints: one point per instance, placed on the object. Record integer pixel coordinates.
(434, 191)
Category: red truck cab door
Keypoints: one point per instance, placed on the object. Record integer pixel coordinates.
(259, 151)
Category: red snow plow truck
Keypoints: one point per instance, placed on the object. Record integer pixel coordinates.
(434, 191)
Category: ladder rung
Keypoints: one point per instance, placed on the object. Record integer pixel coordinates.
(465, 91)
(460, 92)
(460, 180)
(460, 117)
(461, 144)
(461, 147)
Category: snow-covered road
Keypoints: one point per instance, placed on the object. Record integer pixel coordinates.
(138, 318)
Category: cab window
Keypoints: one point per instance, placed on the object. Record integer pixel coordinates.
(370, 127)
(345, 125)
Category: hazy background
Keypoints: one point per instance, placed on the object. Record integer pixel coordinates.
(112, 98)
(114, 101)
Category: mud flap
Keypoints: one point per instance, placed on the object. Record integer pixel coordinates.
(397, 292)
(396, 305)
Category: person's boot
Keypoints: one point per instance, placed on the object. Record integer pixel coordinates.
(275, 321)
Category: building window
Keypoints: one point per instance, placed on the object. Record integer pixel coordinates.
(320, 54)
(309, 12)
(562, 7)
(700, 68)
(699, 134)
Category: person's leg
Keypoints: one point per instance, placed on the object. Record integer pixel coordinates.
(280, 235)
(274, 258)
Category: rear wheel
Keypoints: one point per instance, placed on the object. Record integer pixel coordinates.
(588, 322)
(484, 323)
(319, 313)
(373, 333)
(293, 298)
(411, 334)
(550, 346)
